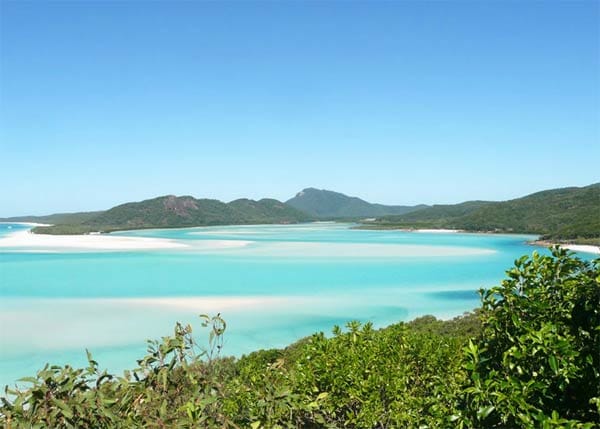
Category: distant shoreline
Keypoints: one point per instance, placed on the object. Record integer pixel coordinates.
(585, 248)
(26, 223)
(367, 227)
(105, 241)
(568, 244)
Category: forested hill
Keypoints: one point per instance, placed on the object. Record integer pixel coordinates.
(566, 213)
(56, 218)
(180, 212)
(571, 214)
(325, 204)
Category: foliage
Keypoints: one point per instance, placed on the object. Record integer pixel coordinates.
(178, 212)
(528, 358)
(465, 326)
(560, 215)
(568, 214)
(56, 219)
(67, 229)
(325, 204)
(538, 358)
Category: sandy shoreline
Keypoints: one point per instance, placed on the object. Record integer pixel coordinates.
(26, 223)
(585, 248)
(28, 240)
(437, 231)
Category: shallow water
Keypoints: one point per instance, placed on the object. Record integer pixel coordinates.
(304, 278)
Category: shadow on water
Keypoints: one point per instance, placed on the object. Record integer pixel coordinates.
(455, 295)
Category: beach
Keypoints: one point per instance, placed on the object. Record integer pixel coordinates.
(28, 240)
(586, 248)
(438, 231)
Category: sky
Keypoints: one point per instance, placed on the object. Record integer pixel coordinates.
(397, 102)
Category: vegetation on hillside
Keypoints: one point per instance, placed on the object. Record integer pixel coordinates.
(179, 212)
(324, 204)
(530, 357)
(557, 214)
(57, 218)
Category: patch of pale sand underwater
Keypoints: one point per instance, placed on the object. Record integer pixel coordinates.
(41, 324)
(261, 229)
(213, 304)
(359, 250)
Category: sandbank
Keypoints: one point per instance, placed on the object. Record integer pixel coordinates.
(28, 240)
(586, 248)
(27, 223)
(438, 231)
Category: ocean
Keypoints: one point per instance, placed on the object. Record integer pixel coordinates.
(273, 284)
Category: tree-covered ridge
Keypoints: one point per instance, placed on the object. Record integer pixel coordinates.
(324, 204)
(567, 213)
(179, 212)
(56, 218)
(437, 214)
(530, 357)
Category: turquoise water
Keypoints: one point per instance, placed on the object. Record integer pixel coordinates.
(299, 279)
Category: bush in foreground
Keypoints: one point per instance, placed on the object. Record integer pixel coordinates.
(537, 361)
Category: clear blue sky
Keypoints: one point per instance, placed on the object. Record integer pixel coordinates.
(396, 102)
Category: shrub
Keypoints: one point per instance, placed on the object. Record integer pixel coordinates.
(537, 362)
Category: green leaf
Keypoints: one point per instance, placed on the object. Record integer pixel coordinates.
(553, 363)
(322, 396)
(66, 410)
(483, 412)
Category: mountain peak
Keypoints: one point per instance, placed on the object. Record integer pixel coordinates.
(323, 203)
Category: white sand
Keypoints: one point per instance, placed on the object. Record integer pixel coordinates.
(582, 248)
(438, 231)
(424, 230)
(28, 223)
(28, 240)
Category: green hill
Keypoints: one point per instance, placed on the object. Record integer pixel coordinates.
(266, 209)
(563, 214)
(57, 218)
(571, 214)
(325, 204)
(438, 214)
(180, 212)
